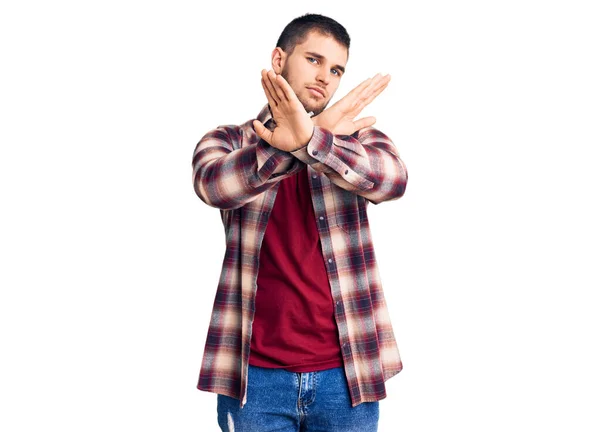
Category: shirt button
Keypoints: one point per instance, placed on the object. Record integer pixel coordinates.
(314, 176)
(321, 217)
(329, 260)
(315, 152)
(346, 172)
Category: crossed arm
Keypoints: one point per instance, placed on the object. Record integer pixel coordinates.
(365, 162)
(227, 176)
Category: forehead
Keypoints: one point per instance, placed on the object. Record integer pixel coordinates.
(326, 46)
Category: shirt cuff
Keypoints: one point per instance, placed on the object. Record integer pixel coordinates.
(271, 162)
(317, 148)
(328, 153)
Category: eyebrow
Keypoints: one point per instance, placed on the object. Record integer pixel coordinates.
(320, 57)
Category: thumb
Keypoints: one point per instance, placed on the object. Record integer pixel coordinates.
(364, 122)
(262, 131)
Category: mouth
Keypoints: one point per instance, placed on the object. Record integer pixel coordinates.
(316, 91)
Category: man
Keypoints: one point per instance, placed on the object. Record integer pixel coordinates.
(300, 335)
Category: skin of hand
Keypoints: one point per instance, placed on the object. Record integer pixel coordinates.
(339, 118)
(294, 127)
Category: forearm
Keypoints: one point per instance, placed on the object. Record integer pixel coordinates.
(366, 163)
(227, 177)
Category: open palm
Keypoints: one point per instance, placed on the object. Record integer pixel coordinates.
(294, 127)
(340, 117)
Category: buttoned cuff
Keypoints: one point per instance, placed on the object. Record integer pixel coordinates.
(271, 162)
(327, 152)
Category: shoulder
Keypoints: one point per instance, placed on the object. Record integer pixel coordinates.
(244, 129)
(231, 135)
(224, 132)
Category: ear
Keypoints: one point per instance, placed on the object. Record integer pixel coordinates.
(278, 57)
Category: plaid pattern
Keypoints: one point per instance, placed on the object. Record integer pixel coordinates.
(236, 171)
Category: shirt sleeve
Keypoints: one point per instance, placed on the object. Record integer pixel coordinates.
(227, 176)
(366, 162)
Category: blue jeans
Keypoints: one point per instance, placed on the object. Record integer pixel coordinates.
(284, 401)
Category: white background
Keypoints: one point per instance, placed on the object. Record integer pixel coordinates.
(110, 262)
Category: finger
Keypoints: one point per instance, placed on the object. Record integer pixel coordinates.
(350, 100)
(287, 90)
(383, 82)
(270, 99)
(363, 91)
(375, 92)
(363, 103)
(276, 86)
(268, 93)
(270, 87)
(370, 94)
(376, 83)
(364, 122)
(262, 131)
(352, 97)
(359, 88)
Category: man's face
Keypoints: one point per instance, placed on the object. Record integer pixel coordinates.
(314, 70)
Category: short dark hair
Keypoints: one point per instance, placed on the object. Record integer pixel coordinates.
(298, 29)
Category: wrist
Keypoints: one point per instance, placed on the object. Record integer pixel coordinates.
(304, 140)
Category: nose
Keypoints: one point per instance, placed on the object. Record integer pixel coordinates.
(323, 76)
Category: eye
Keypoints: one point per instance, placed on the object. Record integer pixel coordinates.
(311, 58)
(337, 72)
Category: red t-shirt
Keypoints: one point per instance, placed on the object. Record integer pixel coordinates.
(294, 323)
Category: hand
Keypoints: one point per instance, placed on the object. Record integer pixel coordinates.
(339, 118)
(294, 127)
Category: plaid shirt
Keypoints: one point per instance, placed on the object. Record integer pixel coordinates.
(236, 171)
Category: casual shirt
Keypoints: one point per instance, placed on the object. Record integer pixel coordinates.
(294, 326)
(239, 173)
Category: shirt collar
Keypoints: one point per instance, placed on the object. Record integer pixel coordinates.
(265, 114)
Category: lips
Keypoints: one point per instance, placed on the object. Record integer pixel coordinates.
(318, 90)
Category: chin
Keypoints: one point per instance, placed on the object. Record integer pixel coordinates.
(317, 109)
(311, 106)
